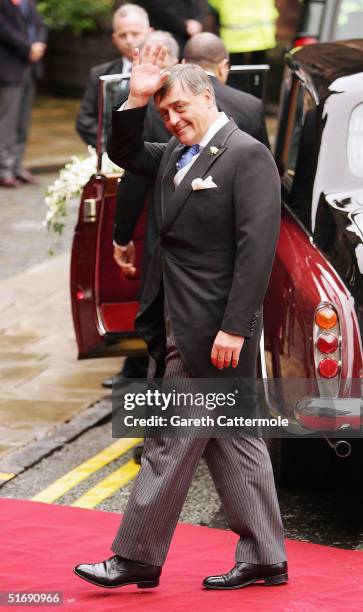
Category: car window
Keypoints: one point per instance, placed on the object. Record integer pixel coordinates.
(313, 15)
(355, 141)
(113, 90)
(299, 153)
(349, 20)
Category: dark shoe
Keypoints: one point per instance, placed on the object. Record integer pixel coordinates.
(243, 574)
(117, 571)
(119, 380)
(137, 452)
(26, 177)
(9, 182)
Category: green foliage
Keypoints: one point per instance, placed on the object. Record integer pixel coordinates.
(75, 16)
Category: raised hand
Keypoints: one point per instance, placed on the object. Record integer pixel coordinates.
(146, 77)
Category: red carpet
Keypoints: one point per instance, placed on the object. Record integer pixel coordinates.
(41, 543)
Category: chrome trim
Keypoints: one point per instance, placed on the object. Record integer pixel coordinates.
(89, 210)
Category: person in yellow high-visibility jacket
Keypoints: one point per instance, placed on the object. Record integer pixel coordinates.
(247, 28)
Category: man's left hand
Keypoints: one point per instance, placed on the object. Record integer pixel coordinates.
(226, 350)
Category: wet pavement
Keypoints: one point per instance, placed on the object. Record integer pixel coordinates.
(42, 383)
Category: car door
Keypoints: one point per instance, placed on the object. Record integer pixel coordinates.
(104, 302)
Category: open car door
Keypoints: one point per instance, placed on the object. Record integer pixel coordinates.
(104, 301)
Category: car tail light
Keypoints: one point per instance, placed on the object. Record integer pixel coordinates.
(326, 317)
(328, 368)
(327, 342)
(302, 41)
(80, 296)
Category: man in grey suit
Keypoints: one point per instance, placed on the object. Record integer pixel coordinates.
(200, 314)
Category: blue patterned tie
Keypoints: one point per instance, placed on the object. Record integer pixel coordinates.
(187, 156)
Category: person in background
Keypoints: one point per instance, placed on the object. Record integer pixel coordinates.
(248, 29)
(131, 197)
(208, 51)
(130, 26)
(23, 37)
(182, 18)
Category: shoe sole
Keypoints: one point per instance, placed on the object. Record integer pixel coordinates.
(143, 584)
(270, 581)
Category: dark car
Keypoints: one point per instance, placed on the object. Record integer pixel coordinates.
(313, 311)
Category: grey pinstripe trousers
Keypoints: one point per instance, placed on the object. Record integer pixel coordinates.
(242, 473)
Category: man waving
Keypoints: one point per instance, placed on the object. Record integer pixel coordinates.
(216, 208)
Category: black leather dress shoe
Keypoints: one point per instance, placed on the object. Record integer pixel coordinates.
(117, 572)
(243, 574)
(119, 380)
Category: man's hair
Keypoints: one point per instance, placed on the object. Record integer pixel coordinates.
(130, 9)
(166, 39)
(190, 76)
(205, 49)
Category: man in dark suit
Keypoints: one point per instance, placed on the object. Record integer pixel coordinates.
(23, 38)
(217, 205)
(130, 200)
(208, 51)
(130, 28)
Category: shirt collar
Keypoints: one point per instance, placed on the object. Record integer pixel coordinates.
(213, 129)
(126, 65)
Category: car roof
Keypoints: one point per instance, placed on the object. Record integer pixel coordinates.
(319, 65)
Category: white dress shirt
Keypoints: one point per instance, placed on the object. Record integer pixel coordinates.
(211, 131)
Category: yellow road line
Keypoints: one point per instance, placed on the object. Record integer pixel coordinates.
(108, 486)
(82, 471)
(6, 476)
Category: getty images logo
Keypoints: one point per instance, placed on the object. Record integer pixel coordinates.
(163, 401)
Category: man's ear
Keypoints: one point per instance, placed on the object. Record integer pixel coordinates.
(209, 97)
(222, 70)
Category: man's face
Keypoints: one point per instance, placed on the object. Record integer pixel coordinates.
(129, 32)
(187, 116)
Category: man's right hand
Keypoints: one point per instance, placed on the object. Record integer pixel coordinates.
(124, 256)
(146, 77)
(37, 51)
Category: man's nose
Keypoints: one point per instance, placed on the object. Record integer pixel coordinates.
(130, 39)
(173, 117)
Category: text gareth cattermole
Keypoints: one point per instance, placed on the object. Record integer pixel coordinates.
(163, 400)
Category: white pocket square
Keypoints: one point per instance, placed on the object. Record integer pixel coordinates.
(198, 183)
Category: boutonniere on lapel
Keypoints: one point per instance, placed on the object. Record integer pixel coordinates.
(213, 151)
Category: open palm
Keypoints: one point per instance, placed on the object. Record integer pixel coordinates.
(146, 77)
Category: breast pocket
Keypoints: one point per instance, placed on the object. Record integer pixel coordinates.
(208, 209)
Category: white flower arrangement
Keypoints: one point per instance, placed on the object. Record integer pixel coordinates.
(69, 184)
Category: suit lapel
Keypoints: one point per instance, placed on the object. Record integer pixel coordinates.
(167, 182)
(174, 200)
